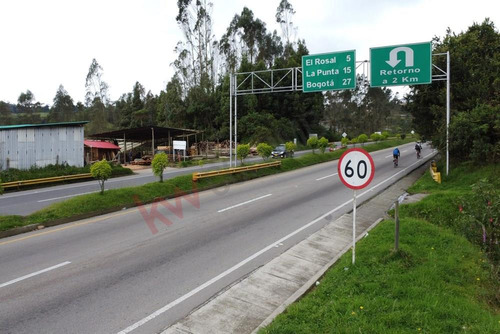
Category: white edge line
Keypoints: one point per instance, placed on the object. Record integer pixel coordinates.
(324, 177)
(34, 274)
(250, 201)
(245, 261)
(67, 196)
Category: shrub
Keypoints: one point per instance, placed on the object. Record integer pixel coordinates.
(362, 138)
(101, 171)
(290, 146)
(322, 144)
(159, 163)
(313, 143)
(354, 141)
(264, 150)
(480, 212)
(475, 135)
(385, 135)
(344, 142)
(242, 151)
(375, 137)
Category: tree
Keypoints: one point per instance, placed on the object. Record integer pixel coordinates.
(5, 114)
(27, 106)
(284, 14)
(242, 151)
(63, 108)
(159, 163)
(322, 144)
(101, 171)
(95, 86)
(195, 62)
(264, 150)
(475, 84)
(312, 143)
(290, 147)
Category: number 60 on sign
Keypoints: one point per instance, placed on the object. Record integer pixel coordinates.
(356, 168)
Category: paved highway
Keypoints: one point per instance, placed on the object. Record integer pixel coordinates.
(115, 273)
(28, 201)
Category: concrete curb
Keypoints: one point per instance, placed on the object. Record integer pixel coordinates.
(309, 284)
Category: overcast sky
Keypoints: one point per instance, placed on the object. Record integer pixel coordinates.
(46, 43)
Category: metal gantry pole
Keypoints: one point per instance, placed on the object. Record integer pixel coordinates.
(447, 112)
(230, 119)
(235, 129)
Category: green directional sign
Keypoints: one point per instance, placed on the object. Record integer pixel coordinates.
(401, 65)
(329, 71)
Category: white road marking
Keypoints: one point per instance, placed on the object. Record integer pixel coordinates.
(324, 177)
(34, 274)
(389, 156)
(250, 201)
(67, 196)
(248, 259)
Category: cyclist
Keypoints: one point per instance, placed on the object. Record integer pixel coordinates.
(395, 155)
(418, 148)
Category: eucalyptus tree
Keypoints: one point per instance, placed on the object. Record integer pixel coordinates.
(95, 87)
(28, 107)
(284, 15)
(195, 62)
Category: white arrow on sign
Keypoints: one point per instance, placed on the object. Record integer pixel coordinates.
(393, 56)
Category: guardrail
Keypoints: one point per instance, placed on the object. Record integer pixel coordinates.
(18, 184)
(203, 175)
(434, 173)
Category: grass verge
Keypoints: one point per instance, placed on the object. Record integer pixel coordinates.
(128, 197)
(437, 283)
(441, 280)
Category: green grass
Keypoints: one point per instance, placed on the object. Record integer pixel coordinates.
(115, 199)
(14, 174)
(437, 283)
(443, 280)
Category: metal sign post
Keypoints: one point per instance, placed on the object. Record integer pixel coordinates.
(354, 227)
(356, 170)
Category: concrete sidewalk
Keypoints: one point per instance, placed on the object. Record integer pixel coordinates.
(257, 299)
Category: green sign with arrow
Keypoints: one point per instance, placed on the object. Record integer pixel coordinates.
(401, 65)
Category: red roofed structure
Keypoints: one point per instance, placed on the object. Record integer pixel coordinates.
(97, 150)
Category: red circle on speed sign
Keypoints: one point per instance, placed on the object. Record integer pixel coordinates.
(356, 168)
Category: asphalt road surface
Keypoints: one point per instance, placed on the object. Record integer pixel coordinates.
(28, 201)
(115, 273)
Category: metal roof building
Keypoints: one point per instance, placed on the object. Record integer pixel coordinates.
(26, 145)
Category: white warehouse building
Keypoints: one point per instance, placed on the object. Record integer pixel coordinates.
(27, 145)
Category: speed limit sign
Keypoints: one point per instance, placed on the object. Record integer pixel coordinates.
(356, 168)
